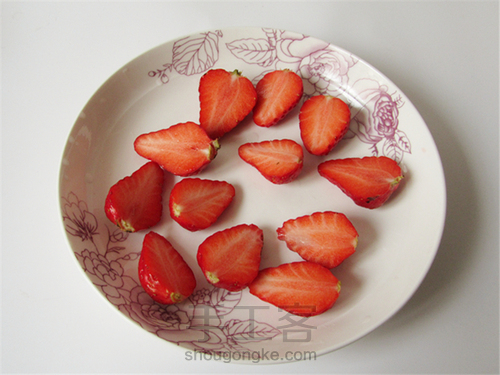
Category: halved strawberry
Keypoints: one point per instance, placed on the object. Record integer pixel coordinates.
(163, 273)
(196, 204)
(278, 92)
(324, 120)
(226, 98)
(135, 202)
(183, 149)
(280, 161)
(326, 238)
(301, 288)
(230, 258)
(368, 181)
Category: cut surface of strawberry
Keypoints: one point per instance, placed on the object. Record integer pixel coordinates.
(368, 181)
(230, 258)
(326, 238)
(301, 288)
(163, 273)
(279, 161)
(323, 121)
(135, 202)
(197, 203)
(226, 98)
(278, 92)
(183, 149)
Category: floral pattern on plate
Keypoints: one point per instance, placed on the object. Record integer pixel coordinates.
(323, 67)
(202, 314)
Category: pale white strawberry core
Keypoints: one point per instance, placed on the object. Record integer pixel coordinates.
(176, 210)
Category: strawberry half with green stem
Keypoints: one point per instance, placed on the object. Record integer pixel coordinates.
(301, 288)
(323, 120)
(278, 92)
(368, 181)
(279, 161)
(196, 204)
(326, 238)
(163, 273)
(230, 258)
(226, 98)
(135, 202)
(183, 149)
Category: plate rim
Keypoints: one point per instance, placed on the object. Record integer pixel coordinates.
(439, 167)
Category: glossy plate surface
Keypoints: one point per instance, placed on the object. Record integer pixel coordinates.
(397, 242)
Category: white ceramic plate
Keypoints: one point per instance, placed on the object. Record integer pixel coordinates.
(158, 89)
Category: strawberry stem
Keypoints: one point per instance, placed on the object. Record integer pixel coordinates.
(211, 277)
(176, 297)
(214, 147)
(125, 226)
(216, 144)
(397, 180)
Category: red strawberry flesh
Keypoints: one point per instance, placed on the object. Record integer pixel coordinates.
(183, 149)
(278, 92)
(135, 202)
(230, 258)
(163, 273)
(197, 203)
(226, 98)
(327, 238)
(324, 120)
(301, 288)
(368, 181)
(279, 161)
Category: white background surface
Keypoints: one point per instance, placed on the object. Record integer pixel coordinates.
(443, 55)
